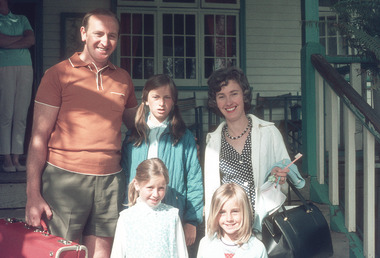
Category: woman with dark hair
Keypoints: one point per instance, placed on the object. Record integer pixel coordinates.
(243, 149)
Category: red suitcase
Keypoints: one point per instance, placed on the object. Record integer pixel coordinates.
(17, 240)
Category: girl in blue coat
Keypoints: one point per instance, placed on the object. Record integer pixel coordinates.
(160, 132)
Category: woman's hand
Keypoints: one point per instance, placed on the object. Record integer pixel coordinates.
(280, 173)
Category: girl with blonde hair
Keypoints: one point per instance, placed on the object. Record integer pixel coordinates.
(149, 228)
(229, 226)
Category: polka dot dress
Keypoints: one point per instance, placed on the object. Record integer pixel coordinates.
(237, 168)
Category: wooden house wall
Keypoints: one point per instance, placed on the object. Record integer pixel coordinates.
(272, 38)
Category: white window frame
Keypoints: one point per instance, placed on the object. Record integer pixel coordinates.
(327, 12)
(179, 82)
(201, 38)
(200, 33)
(156, 3)
(221, 5)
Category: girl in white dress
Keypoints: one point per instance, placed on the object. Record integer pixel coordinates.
(149, 228)
(229, 226)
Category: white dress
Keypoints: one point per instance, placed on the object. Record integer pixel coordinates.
(143, 231)
(214, 248)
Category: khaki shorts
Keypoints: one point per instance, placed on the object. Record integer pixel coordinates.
(82, 204)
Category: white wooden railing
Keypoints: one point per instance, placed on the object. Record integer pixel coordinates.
(332, 122)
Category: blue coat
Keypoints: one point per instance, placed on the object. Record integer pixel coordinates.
(185, 188)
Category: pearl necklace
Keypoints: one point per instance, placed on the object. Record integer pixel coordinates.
(241, 135)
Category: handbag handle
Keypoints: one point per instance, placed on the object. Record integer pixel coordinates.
(309, 209)
(44, 226)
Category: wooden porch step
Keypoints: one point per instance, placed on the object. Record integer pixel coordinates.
(12, 190)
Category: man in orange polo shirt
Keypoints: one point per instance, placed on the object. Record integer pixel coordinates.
(73, 166)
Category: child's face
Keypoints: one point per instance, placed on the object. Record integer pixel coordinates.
(160, 102)
(153, 191)
(230, 219)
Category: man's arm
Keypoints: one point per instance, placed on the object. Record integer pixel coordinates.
(129, 117)
(13, 42)
(43, 123)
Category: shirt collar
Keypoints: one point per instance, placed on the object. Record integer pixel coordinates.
(10, 15)
(77, 62)
(152, 125)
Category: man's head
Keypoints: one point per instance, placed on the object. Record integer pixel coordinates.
(100, 11)
(4, 10)
(100, 32)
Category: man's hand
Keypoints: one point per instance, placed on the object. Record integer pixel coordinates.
(35, 207)
(190, 233)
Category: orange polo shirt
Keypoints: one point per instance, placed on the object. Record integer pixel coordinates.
(86, 138)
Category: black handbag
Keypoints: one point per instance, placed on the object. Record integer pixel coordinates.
(298, 232)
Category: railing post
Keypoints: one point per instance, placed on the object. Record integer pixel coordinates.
(332, 137)
(320, 135)
(369, 193)
(349, 169)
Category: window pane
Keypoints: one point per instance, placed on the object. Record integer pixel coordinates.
(231, 25)
(167, 23)
(190, 24)
(190, 46)
(332, 46)
(191, 68)
(231, 47)
(179, 68)
(168, 66)
(137, 68)
(125, 46)
(322, 26)
(220, 47)
(148, 24)
(179, 1)
(179, 46)
(148, 68)
(222, 1)
(136, 45)
(125, 63)
(149, 47)
(231, 62)
(209, 46)
(343, 45)
(209, 24)
(220, 63)
(137, 24)
(331, 29)
(125, 23)
(220, 25)
(178, 24)
(209, 67)
(168, 46)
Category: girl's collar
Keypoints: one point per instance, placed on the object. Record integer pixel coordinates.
(154, 123)
(144, 204)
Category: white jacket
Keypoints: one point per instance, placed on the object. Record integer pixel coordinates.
(268, 148)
